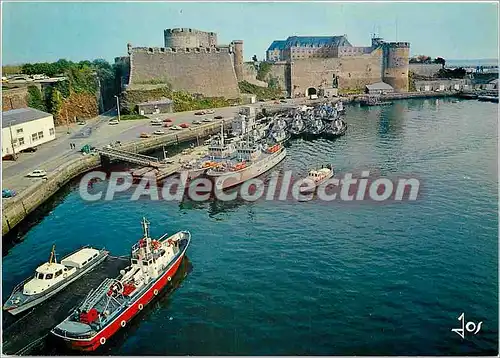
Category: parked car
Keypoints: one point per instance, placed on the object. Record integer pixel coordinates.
(196, 122)
(218, 117)
(207, 120)
(156, 122)
(37, 173)
(283, 101)
(113, 122)
(184, 125)
(209, 111)
(29, 150)
(81, 123)
(199, 113)
(168, 120)
(145, 135)
(276, 102)
(176, 128)
(7, 193)
(168, 124)
(158, 132)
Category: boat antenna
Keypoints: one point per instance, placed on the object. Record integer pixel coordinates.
(145, 225)
(222, 133)
(164, 153)
(53, 255)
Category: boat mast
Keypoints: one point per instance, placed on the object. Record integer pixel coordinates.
(145, 226)
(53, 255)
(222, 134)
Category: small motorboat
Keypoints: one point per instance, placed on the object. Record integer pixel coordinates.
(337, 128)
(52, 277)
(316, 126)
(318, 177)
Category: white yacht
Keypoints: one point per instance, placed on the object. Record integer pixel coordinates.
(52, 277)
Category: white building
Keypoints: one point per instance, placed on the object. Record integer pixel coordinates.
(25, 128)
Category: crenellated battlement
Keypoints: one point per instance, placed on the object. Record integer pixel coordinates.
(397, 44)
(161, 50)
(178, 30)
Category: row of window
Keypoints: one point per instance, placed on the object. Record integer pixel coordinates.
(90, 259)
(49, 276)
(19, 141)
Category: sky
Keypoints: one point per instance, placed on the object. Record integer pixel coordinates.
(40, 32)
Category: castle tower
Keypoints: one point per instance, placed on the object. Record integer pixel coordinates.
(238, 59)
(396, 65)
(189, 38)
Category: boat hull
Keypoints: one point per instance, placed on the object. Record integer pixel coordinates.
(43, 297)
(121, 321)
(228, 180)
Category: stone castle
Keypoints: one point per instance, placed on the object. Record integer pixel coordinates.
(193, 61)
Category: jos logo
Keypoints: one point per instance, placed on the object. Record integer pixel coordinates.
(469, 327)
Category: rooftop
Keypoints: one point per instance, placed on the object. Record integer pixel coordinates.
(309, 41)
(22, 115)
(379, 86)
(160, 101)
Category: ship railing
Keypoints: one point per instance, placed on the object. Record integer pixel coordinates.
(95, 296)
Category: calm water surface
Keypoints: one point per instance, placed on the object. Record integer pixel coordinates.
(322, 279)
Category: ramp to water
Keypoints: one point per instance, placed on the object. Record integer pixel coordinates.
(20, 333)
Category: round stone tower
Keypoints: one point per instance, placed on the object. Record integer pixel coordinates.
(189, 38)
(396, 65)
(238, 58)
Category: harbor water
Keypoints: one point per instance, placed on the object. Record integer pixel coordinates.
(289, 278)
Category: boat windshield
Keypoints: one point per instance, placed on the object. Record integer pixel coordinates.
(40, 276)
(48, 276)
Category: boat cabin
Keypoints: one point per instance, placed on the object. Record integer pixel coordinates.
(45, 277)
(320, 174)
(81, 258)
(249, 153)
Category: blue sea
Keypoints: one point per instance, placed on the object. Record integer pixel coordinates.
(290, 278)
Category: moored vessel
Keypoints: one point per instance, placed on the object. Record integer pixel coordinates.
(116, 301)
(253, 159)
(337, 128)
(219, 149)
(52, 277)
(318, 177)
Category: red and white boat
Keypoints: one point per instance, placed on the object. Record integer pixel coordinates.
(116, 301)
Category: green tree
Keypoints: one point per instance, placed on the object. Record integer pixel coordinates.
(35, 99)
(441, 61)
(56, 102)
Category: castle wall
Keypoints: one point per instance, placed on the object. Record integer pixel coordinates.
(210, 73)
(250, 74)
(280, 72)
(353, 72)
(425, 69)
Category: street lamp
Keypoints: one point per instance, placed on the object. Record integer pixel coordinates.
(118, 107)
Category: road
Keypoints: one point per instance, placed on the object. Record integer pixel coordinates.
(96, 132)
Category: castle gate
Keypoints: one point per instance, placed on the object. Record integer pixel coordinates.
(311, 91)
